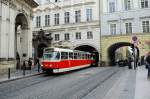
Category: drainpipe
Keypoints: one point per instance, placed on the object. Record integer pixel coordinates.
(99, 5)
(0, 26)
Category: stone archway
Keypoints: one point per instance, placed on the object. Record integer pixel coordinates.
(90, 49)
(21, 36)
(112, 49)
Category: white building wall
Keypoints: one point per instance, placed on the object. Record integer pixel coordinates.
(73, 27)
(136, 15)
(7, 29)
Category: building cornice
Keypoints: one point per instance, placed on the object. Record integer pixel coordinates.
(144, 17)
(83, 25)
(119, 35)
(64, 7)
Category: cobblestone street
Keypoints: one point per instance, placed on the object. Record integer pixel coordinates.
(90, 83)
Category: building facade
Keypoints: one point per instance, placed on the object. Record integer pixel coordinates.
(72, 23)
(125, 17)
(120, 21)
(16, 28)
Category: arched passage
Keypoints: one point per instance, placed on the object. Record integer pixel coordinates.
(40, 49)
(112, 49)
(21, 35)
(90, 49)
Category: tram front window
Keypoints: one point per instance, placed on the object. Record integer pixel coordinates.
(52, 56)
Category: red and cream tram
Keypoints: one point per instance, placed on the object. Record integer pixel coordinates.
(61, 60)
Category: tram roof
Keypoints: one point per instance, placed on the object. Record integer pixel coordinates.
(66, 50)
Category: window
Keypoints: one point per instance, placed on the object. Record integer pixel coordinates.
(38, 21)
(64, 55)
(56, 0)
(47, 20)
(67, 36)
(146, 26)
(144, 3)
(78, 35)
(111, 7)
(89, 35)
(70, 55)
(88, 14)
(127, 4)
(56, 19)
(77, 16)
(75, 55)
(128, 27)
(67, 17)
(56, 37)
(113, 29)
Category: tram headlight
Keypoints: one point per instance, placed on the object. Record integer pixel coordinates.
(50, 65)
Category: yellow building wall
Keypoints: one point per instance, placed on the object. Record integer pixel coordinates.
(107, 41)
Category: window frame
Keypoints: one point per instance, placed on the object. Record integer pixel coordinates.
(128, 27)
(38, 21)
(113, 28)
(67, 36)
(146, 26)
(144, 3)
(57, 37)
(56, 18)
(89, 35)
(89, 14)
(77, 16)
(67, 17)
(78, 35)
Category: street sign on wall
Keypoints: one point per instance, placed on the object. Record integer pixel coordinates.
(134, 39)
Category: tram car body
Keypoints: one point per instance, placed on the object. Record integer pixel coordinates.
(58, 60)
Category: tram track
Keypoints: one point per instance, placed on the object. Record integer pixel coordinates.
(34, 80)
(81, 90)
(70, 85)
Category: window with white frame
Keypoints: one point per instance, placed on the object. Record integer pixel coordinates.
(67, 36)
(144, 3)
(111, 6)
(78, 35)
(67, 17)
(77, 16)
(47, 20)
(89, 35)
(146, 26)
(128, 27)
(113, 29)
(127, 4)
(89, 14)
(56, 0)
(57, 37)
(56, 18)
(38, 21)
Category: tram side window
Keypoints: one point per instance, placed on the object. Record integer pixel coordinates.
(79, 56)
(89, 56)
(64, 55)
(75, 55)
(86, 56)
(71, 55)
(58, 56)
(82, 55)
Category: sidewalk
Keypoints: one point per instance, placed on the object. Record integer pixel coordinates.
(132, 84)
(142, 90)
(18, 74)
